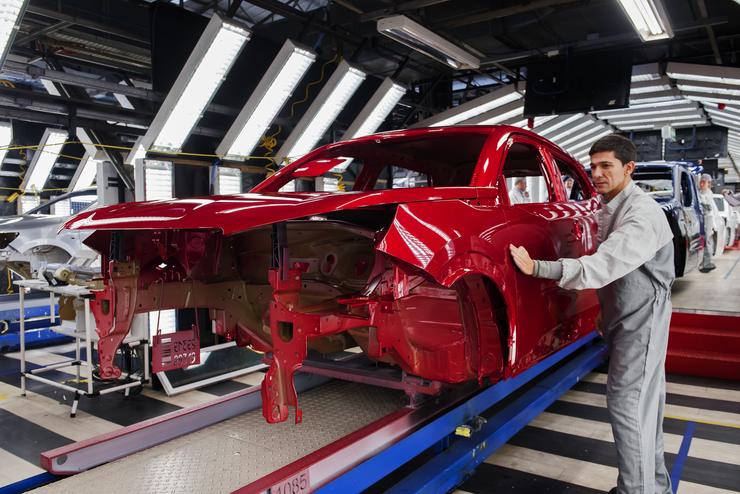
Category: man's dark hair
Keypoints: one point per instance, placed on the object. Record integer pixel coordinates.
(623, 148)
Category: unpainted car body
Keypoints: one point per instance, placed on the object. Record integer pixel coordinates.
(32, 240)
(674, 188)
(419, 278)
(729, 218)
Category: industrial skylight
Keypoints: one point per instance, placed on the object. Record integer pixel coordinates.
(273, 90)
(200, 78)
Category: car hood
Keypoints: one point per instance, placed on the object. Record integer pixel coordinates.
(237, 213)
(28, 222)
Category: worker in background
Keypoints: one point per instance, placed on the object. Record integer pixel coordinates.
(568, 187)
(732, 199)
(706, 199)
(519, 194)
(633, 271)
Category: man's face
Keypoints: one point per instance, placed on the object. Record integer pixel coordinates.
(705, 184)
(569, 183)
(521, 185)
(609, 174)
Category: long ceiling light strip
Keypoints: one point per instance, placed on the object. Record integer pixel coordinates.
(43, 160)
(646, 106)
(658, 117)
(649, 18)
(585, 134)
(377, 109)
(330, 101)
(11, 12)
(200, 78)
(412, 34)
(6, 138)
(585, 146)
(558, 123)
(674, 107)
(87, 169)
(555, 137)
(709, 87)
(703, 73)
(658, 125)
(276, 86)
(650, 86)
(499, 115)
(470, 109)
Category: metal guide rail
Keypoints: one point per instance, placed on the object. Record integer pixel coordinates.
(353, 436)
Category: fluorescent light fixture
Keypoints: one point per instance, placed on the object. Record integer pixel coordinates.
(583, 135)
(332, 98)
(675, 107)
(474, 107)
(725, 122)
(645, 72)
(705, 97)
(493, 117)
(709, 87)
(649, 18)
(50, 87)
(656, 117)
(658, 125)
(11, 12)
(122, 99)
(43, 160)
(585, 122)
(704, 73)
(558, 123)
(412, 34)
(585, 146)
(657, 96)
(200, 78)
(378, 107)
(273, 90)
(228, 181)
(88, 167)
(158, 180)
(651, 86)
(6, 137)
(647, 106)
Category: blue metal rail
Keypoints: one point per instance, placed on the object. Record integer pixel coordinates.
(458, 457)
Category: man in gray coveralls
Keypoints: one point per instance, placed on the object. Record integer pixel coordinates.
(632, 271)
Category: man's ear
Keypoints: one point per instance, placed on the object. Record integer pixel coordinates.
(630, 167)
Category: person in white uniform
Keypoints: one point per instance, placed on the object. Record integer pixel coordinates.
(632, 271)
(708, 206)
(568, 184)
(519, 194)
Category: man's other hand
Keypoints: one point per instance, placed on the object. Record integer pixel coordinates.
(600, 325)
(522, 259)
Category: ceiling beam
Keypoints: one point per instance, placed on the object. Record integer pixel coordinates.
(398, 9)
(53, 14)
(42, 32)
(489, 15)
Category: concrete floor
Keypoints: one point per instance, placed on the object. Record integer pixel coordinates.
(716, 291)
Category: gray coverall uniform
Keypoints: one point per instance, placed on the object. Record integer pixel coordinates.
(706, 198)
(633, 271)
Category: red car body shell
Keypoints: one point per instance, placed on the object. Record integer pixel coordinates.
(454, 239)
